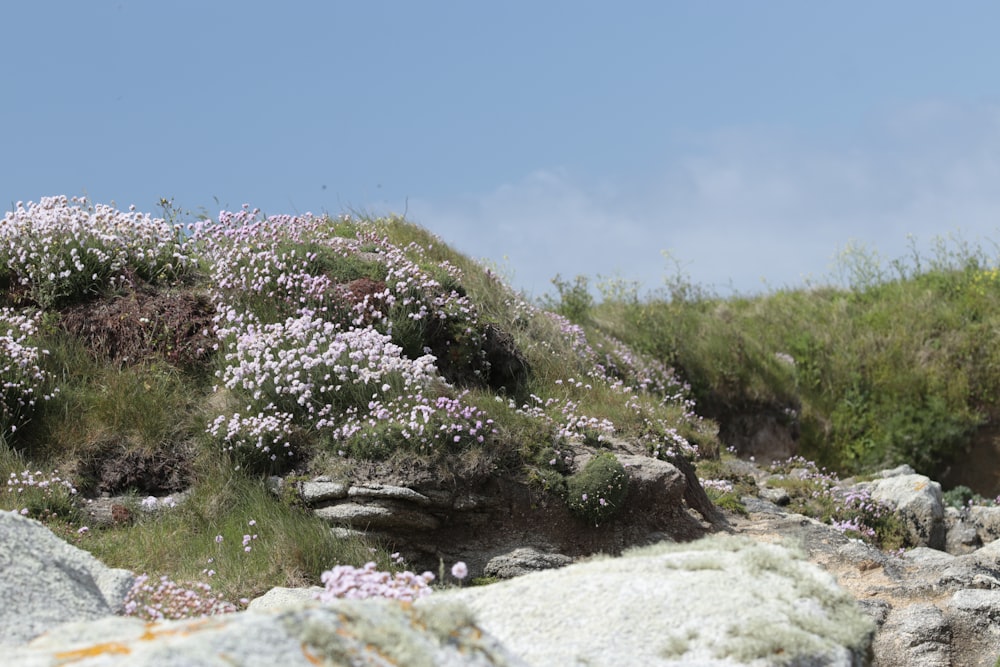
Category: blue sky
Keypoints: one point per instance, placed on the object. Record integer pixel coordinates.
(750, 140)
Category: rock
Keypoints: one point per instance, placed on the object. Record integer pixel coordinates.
(775, 495)
(914, 635)
(389, 491)
(974, 616)
(522, 561)
(898, 471)
(931, 607)
(962, 536)
(986, 521)
(377, 515)
(320, 490)
(720, 600)
(345, 632)
(917, 501)
(280, 597)
(47, 581)
(927, 558)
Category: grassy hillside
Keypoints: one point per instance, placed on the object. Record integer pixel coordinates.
(141, 357)
(902, 365)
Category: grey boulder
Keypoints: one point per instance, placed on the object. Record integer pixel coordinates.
(47, 581)
(359, 633)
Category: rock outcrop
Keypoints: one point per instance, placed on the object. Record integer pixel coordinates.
(716, 601)
(482, 520)
(916, 499)
(46, 581)
(930, 607)
(785, 589)
(345, 632)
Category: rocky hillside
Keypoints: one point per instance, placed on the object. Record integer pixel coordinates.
(359, 369)
(307, 407)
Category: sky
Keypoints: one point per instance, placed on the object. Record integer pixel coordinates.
(741, 145)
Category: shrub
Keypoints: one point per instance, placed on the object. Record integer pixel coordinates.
(598, 492)
(575, 300)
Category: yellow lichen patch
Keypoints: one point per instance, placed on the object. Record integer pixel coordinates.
(156, 630)
(310, 656)
(91, 651)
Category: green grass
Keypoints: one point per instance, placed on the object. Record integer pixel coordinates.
(292, 548)
(147, 406)
(900, 367)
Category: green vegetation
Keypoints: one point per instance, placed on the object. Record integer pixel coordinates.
(139, 359)
(598, 491)
(901, 365)
(142, 359)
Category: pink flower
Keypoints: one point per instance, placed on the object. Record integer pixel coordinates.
(459, 570)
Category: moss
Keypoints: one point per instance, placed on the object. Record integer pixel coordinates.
(598, 492)
(809, 614)
(728, 500)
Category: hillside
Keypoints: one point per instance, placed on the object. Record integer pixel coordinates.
(159, 364)
(187, 400)
(898, 366)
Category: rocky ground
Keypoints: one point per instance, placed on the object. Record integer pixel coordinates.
(769, 588)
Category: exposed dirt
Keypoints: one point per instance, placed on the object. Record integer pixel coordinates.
(116, 469)
(143, 323)
(979, 468)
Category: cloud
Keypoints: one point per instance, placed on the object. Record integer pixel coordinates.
(744, 204)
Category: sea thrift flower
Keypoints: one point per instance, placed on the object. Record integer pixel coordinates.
(345, 581)
(65, 248)
(459, 570)
(166, 600)
(22, 379)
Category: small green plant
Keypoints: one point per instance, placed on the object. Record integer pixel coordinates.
(40, 495)
(575, 300)
(598, 492)
(962, 496)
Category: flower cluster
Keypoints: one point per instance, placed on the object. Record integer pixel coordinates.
(720, 485)
(41, 496)
(258, 258)
(346, 581)
(313, 365)
(851, 509)
(23, 379)
(418, 420)
(165, 599)
(564, 417)
(647, 385)
(59, 248)
(307, 365)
